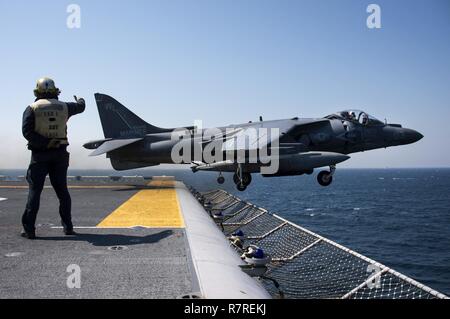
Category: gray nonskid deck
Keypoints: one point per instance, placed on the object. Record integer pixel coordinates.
(150, 263)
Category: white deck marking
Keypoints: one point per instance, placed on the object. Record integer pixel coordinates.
(2, 199)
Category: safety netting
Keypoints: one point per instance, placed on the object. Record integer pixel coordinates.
(304, 264)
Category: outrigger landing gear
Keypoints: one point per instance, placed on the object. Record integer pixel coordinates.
(241, 179)
(220, 179)
(325, 178)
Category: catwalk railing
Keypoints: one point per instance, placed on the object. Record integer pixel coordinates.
(305, 264)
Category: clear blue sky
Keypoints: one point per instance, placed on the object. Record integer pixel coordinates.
(223, 62)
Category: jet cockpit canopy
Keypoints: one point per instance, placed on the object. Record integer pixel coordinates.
(359, 116)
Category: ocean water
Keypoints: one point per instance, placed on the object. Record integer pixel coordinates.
(399, 217)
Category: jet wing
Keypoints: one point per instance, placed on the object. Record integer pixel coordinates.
(111, 145)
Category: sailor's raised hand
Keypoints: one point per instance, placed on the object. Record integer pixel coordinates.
(79, 100)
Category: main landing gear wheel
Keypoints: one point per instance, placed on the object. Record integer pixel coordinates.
(241, 179)
(246, 179)
(220, 179)
(325, 178)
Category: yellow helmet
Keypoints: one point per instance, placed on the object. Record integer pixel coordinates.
(44, 86)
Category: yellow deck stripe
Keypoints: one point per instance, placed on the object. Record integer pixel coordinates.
(155, 207)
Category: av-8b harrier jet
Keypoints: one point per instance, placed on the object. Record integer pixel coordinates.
(298, 146)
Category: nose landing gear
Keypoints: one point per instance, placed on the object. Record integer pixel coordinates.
(325, 178)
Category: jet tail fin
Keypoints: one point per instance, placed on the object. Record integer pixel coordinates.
(120, 122)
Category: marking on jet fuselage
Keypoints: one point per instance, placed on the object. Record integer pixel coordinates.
(157, 207)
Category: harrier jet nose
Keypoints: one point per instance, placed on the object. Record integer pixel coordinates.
(397, 135)
(404, 136)
(411, 136)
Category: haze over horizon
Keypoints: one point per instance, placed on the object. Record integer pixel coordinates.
(173, 62)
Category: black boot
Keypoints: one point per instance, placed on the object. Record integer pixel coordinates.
(28, 235)
(69, 232)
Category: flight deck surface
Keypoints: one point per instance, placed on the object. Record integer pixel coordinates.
(116, 259)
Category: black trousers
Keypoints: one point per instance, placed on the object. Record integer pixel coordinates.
(55, 164)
